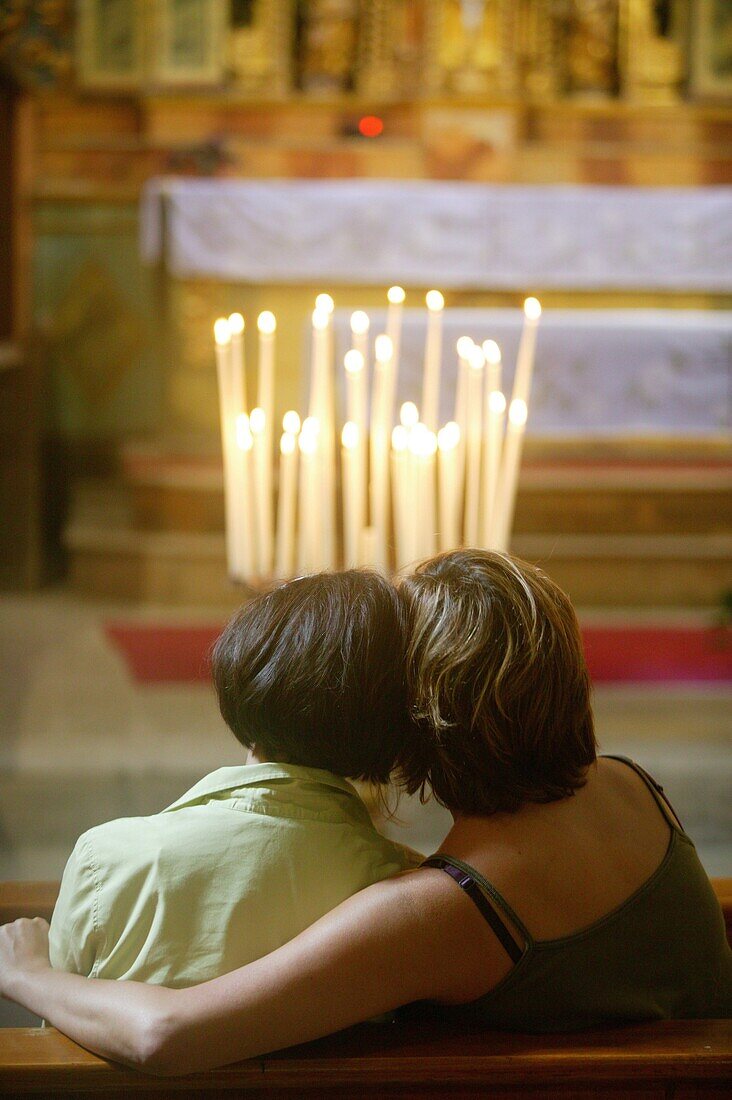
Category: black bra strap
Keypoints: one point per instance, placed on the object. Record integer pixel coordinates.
(467, 883)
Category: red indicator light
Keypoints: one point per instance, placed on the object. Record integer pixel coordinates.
(370, 126)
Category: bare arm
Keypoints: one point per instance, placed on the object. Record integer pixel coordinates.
(410, 938)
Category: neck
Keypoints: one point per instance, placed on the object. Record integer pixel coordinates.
(256, 756)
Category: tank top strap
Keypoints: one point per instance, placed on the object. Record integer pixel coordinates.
(476, 887)
(659, 795)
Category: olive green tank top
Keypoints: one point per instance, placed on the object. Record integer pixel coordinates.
(662, 954)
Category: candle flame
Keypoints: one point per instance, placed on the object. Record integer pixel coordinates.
(325, 303)
(532, 309)
(257, 420)
(311, 426)
(464, 347)
(353, 361)
(518, 412)
(222, 332)
(409, 414)
(396, 295)
(400, 438)
(383, 348)
(266, 322)
(492, 352)
(236, 324)
(321, 319)
(476, 357)
(449, 436)
(244, 439)
(497, 402)
(422, 441)
(349, 435)
(435, 301)
(308, 443)
(359, 322)
(287, 443)
(291, 422)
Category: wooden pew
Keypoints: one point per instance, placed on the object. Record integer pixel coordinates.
(679, 1059)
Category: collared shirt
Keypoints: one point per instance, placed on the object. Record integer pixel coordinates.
(248, 858)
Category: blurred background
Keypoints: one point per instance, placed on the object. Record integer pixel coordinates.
(605, 126)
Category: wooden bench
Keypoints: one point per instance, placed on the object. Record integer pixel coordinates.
(679, 1059)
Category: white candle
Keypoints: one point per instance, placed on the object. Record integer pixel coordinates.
(526, 351)
(309, 504)
(243, 491)
(379, 464)
(360, 333)
(432, 359)
(402, 505)
(222, 339)
(506, 498)
(352, 513)
(266, 325)
(517, 414)
(464, 347)
(286, 506)
(472, 457)
(409, 418)
(239, 383)
(423, 445)
(395, 296)
(322, 407)
(448, 440)
(354, 365)
(493, 417)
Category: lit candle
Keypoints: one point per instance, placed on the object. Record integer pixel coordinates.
(472, 457)
(239, 383)
(222, 340)
(309, 505)
(360, 333)
(266, 326)
(526, 351)
(352, 514)
(432, 359)
(448, 440)
(259, 458)
(423, 444)
(402, 505)
(353, 363)
(379, 463)
(243, 497)
(464, 347)
(517, 414)
(409, 418)
(395, 296)
(286, 502)
(506, 497)
(322, 407)
(493, 417)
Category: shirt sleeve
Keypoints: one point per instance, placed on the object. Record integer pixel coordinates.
(74, 938)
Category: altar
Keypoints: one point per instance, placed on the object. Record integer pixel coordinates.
(607, 366)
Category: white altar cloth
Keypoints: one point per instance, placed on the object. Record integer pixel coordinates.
(597, 372)
(450, 235)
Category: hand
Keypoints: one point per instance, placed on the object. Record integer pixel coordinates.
(23, 948)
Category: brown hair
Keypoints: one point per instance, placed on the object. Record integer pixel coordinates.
(500, 690)
(314, 673)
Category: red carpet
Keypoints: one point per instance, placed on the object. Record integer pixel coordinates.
(617, 654)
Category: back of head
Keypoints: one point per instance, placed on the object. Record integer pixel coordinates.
(499, 686)
(313, 673)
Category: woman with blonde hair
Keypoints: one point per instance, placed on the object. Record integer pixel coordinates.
(565, 896)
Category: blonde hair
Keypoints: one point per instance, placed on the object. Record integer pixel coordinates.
(499, 689)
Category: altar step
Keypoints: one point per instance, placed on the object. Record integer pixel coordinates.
(611, 534)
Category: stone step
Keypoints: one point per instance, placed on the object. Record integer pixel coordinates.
(174, 493)
(122, 562)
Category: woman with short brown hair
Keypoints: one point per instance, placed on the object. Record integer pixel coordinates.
(565, 895)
